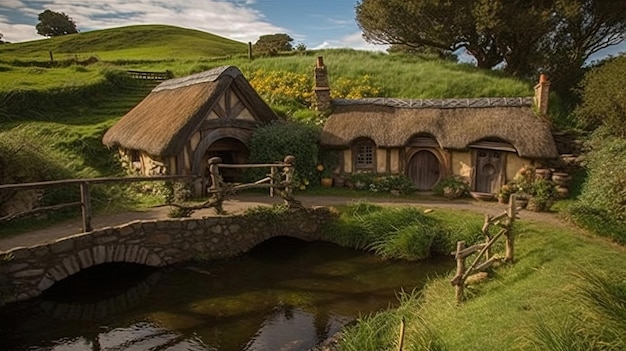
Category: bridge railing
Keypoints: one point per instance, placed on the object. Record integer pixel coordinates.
(280, 177)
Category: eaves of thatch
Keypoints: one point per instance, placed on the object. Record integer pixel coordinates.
(163, 122)
(454, 123)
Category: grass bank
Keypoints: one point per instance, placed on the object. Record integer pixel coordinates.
(554, 297)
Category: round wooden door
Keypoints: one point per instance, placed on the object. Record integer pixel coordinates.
(423, 169)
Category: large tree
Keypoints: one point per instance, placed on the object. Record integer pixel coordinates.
(271, 44)
(526, 36)
(54, 24)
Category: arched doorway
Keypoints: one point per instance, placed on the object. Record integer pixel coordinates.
(230, 150)
(424, 169)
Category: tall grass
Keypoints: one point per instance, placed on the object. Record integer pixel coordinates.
(599, 325)
(536, 294)
(380, 331)
(398, 232)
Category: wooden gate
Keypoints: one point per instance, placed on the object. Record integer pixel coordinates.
(489, 167)
(424, 170)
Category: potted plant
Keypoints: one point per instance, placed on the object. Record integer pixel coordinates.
(505, 192)
(325, 177)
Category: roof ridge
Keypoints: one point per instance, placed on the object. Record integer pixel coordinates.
(440, 103)
(203, 77)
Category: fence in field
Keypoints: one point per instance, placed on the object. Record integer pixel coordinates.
(484, 259)
(280, 177)
(150, 75)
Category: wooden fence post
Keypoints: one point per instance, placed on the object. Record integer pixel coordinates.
(289, 172)
(510, 233)
(85, 203)
(458, 280)
(401, 336)
(216, 181)
(272, 180)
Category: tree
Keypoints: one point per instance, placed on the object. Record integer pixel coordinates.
(604, 98)
(54, 24)
(271, 44)
(526, 36)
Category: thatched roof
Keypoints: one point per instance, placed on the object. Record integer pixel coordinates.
(454, 123)
(163, 122)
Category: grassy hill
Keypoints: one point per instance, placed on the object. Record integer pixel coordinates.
(144, 42)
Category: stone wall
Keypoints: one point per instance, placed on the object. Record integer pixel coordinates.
(25, 272)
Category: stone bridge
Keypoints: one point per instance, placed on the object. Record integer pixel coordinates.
(25, 272)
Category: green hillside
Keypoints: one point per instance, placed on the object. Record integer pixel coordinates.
(145, 42)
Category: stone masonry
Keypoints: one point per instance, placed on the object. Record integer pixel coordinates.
(25, 272)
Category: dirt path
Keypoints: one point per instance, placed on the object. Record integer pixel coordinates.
(240, 203)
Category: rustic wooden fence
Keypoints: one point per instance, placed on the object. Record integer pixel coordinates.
(484, 259)
(280, 177)
(150, 75)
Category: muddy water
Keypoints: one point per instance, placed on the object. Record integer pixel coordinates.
(283, 295)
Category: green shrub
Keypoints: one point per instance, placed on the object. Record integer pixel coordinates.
(452, 187)
(598, 221)
(273, 142)
(604, 97)
(400, 183)
(605, 188)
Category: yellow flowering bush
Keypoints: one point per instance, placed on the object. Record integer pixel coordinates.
(283, 87)
(346, 88)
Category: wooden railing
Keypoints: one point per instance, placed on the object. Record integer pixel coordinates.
(150, 75)
(280, 177)
(484, 259)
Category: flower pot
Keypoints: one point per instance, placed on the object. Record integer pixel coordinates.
(326, 182)
(543, 173)
(561, 178)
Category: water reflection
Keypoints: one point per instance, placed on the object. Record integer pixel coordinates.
(284, 295)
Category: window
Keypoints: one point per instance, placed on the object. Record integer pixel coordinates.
(364, 152)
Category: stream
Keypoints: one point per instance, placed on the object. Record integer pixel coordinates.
(285, 294)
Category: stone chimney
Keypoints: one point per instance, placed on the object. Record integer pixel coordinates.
(542, 91)
(321, 89)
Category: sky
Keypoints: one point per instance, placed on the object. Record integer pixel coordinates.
(315, 23)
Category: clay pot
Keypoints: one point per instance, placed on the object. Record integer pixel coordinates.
(561, 178)
(543, 173)
(326, 182)
(562, 192)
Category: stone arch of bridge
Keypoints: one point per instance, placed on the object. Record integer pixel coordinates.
(97, 255)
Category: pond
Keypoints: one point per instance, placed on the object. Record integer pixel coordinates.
(285, 294)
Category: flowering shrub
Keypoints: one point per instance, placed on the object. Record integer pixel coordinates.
(281, 87)
(539, 191)
(346, 88)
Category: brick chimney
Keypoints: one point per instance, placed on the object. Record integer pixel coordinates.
(542, 91)
(322, 90)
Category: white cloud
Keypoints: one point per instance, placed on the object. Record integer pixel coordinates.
(354, 41)
(233, 20)
(18, 32)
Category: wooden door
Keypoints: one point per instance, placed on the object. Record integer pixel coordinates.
(489, 166)
(424, 170)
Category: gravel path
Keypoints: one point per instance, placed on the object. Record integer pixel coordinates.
(240, 203)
